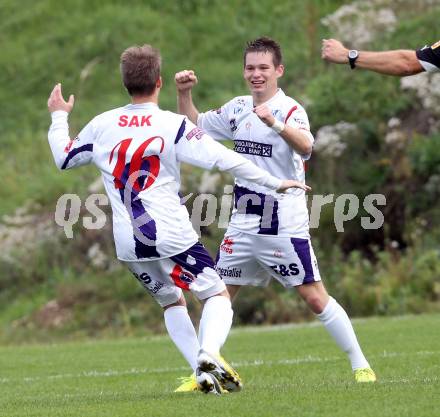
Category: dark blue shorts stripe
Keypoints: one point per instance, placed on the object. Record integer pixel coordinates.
(199, 259)
(302, 248)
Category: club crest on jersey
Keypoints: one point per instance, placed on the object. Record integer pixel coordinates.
(233, 124)
(195, 133)
(226, 245)
(238, 110)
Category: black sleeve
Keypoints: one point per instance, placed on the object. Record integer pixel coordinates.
(429, 55)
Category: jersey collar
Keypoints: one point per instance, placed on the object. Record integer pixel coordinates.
(277, 95)
(141, 106)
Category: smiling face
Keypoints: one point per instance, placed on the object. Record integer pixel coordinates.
(261, 75)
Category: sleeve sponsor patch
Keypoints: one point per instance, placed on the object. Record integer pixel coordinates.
(301, 122)
(196, 132)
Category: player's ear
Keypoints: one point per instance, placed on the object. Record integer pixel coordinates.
(159, 82)
(280, 70)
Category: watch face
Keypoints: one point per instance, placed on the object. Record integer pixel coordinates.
(353, 53)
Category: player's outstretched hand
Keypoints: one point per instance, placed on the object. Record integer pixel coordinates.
(286, 184)
(56, 100)
(185, 80)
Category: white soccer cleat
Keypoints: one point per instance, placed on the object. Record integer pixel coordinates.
(208, 383)
(221, 370)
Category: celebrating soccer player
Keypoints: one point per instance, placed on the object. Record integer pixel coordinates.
(268, 235)
(138, 149)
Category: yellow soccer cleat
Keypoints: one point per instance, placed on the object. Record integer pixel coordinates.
(187, 384)
(223, 372)
(364, 375)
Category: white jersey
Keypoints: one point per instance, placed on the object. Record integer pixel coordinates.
(138, 149)
(267, 149)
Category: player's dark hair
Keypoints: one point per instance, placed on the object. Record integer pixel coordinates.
(140, 69)
(264, 44)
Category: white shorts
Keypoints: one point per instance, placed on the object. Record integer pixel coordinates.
(247, 259)
(192, 270)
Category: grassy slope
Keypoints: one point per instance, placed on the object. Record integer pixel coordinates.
(287, 371)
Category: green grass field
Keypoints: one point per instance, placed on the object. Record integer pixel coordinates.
(287, 371)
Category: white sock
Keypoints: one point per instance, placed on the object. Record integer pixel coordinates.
(215, 323)
(182, 333)
(338, 324)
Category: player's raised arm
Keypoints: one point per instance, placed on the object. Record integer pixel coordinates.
(397, 62)
(197, 148)
(185, 80)
(67, 153)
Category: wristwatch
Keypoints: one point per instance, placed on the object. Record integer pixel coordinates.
(353, 54)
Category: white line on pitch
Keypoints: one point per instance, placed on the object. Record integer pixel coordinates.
(243, 364)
